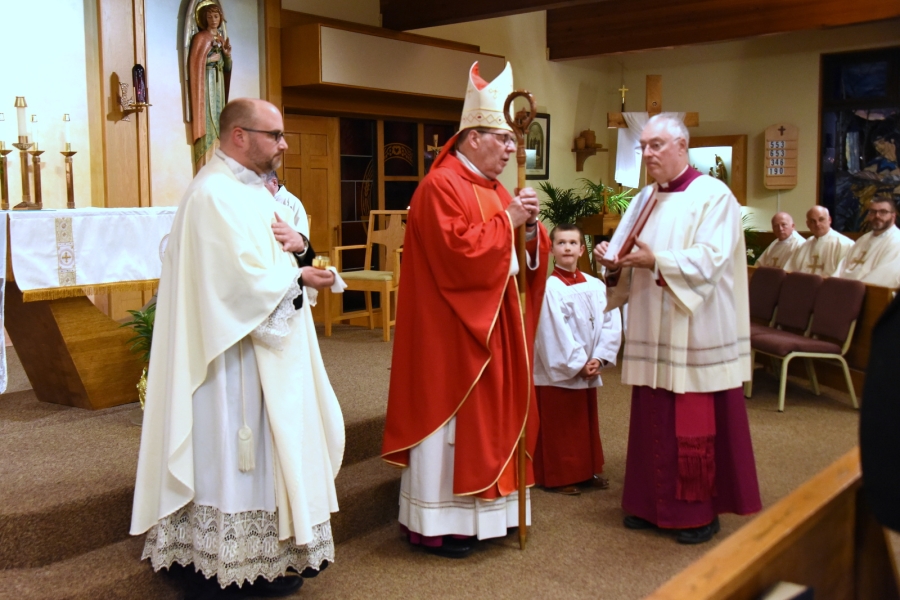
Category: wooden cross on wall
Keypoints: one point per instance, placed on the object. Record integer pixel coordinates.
(615, 120)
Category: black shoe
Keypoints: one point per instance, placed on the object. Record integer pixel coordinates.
(632, 522)
(452, 548)
(277, 588)
(698, 535)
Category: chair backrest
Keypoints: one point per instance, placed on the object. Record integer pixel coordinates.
(390, 235)
(765, 285)
(796, 299)
(837, 305)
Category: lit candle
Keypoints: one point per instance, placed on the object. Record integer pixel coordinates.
(139, 81)
(67, 131)
(20, 116)
(2, 143)
(34, 130)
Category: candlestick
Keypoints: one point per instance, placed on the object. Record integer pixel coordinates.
(23, 145)
(70, 177)
(34, 130)
(36, 161)
(4, 178)
(20, 116)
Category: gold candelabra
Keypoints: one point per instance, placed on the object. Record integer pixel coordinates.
(70, 176)
(24, 147)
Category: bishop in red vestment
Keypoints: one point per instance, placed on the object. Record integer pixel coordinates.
(461, 387)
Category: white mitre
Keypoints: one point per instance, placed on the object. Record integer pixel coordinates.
(484, 102)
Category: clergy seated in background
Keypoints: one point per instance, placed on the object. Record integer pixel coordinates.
(687, 350)
(576, 338)
(786, 241)
(822, 253)
(232, 479)
(875, 257)
(461, 386)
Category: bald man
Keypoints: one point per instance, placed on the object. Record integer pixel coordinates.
(822, 253)
(231, 477)
(786, 241)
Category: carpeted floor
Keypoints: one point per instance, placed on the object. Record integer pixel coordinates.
(577, 546)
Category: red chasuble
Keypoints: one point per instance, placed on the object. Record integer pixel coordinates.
(460, 345)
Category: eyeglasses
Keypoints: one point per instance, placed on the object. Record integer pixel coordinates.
(654, 146)
(505, 139)
(276, 135)
(880, 212)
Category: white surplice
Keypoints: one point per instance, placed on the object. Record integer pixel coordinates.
(779, 252)
(573, 329)
(874, 259)
(693, 333)
(301, 222)
(820, 256)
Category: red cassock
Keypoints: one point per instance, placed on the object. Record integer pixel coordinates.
(461, 347)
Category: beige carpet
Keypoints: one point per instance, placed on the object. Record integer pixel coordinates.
(577, 546)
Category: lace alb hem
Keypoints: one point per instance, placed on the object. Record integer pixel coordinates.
(235, 547)
(273, 331)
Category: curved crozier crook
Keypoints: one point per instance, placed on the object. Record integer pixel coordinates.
(521, 121)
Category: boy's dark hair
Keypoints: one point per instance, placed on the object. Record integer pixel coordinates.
(566, 227)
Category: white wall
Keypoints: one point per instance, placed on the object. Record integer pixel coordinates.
(45, 62)
(742, 87)
(170, 149)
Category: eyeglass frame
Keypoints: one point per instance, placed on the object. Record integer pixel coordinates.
(276, 135)
(508, 137)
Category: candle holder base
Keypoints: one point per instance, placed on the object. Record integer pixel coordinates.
(27, 206)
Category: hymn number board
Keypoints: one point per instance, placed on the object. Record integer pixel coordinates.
(780, 157)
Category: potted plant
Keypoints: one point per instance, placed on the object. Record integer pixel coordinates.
(142, 323)
(612, 205)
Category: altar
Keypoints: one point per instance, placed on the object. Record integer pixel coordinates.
(72, 352)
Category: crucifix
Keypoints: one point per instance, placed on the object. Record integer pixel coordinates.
(622, 90)
(858, 261)
(435, 148)
(615, 120)
(815, 266)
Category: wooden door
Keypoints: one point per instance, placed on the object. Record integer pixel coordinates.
(311, 171)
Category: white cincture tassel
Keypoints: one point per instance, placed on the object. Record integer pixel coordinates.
(246, 456)
(246, 459)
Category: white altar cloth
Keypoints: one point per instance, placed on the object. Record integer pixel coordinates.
(62, 253)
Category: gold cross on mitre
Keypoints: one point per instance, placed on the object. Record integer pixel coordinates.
(815, 266)
(615, 120)
(858, 261)
(435, 148)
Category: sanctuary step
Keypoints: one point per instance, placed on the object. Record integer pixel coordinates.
(67, 483)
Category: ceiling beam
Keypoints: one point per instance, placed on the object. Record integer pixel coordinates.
(623, 26)
(402, 15)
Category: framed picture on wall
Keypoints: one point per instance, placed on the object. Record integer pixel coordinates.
(723, 157)
(537, 148)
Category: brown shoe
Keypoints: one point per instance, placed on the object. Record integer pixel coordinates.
(598, 481)
(565, 490)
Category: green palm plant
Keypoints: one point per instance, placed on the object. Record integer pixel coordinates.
(565, 205)
(606, 197)
(142, 323)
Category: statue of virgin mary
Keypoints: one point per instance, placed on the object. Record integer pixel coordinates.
(208, 75)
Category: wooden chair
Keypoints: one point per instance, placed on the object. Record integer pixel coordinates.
(368, 280)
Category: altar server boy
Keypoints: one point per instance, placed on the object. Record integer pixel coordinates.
(575, 340)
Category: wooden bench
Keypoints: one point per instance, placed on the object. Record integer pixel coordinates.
(822, 535)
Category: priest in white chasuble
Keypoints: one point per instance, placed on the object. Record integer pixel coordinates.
(875, 257)
(242, 435)
(687, 347)
(822, 253)
(786, 241)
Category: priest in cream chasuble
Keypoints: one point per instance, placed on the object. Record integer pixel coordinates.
(786, 241)
(242, 434)
(875, 257)
(822, 253)
(687, 348)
